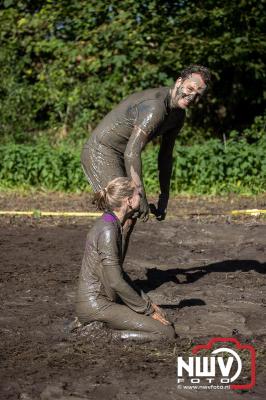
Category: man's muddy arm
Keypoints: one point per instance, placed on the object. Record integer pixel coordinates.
(165, 165)
(133, 164)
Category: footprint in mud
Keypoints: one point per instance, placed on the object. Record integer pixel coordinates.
(203, 322)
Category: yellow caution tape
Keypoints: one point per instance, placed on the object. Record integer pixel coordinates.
(251, 212)
(39, 213)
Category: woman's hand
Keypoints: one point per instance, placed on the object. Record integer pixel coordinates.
(159, 315)
(158, 310)
(159, 318)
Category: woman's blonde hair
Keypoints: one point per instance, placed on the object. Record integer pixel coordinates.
(110, 198)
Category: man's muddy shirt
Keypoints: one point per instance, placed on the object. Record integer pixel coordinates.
(149, 110)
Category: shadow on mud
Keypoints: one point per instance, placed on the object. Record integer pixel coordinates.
(157, 277)
(184, 303)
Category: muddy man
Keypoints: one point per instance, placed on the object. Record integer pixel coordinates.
(114, 147)
(105, 292)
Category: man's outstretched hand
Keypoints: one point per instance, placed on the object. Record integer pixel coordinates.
(144, 209)
(160, 210)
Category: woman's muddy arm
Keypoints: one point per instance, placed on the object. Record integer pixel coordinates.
(129, 296)
(113, 275)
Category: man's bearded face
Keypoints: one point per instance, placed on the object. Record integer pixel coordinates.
(188, 91)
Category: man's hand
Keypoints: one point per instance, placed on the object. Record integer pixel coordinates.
(160, 210)
(144, 208)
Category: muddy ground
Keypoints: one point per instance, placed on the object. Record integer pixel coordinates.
(208, 271)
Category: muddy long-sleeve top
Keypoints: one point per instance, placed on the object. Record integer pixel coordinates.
(101, 276)
(136, 121)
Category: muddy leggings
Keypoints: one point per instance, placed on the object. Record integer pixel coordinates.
(127, 323)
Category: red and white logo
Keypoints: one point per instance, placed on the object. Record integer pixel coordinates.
(222, 363)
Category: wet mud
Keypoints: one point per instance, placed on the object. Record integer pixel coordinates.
(207, 272)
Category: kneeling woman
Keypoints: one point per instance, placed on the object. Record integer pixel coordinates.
(105, 292)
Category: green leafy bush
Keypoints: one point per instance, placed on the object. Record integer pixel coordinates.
(212, 167)
(41, 166)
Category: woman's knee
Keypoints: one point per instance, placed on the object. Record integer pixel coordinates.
(169, 332)
(156, 327)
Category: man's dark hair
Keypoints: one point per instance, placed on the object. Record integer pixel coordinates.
(196, 69)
